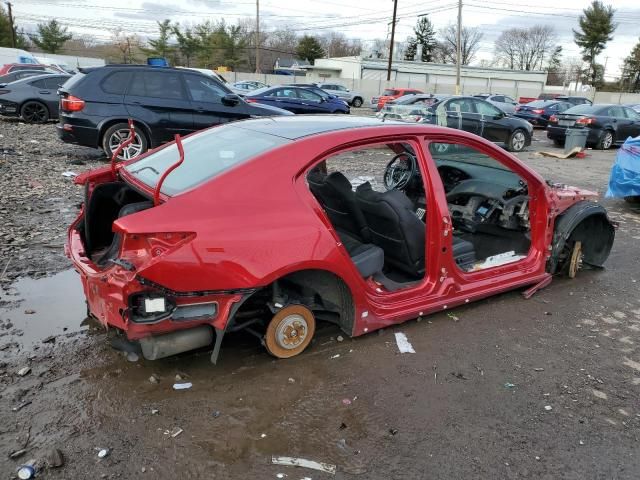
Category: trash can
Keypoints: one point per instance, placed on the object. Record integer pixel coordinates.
(575, 137)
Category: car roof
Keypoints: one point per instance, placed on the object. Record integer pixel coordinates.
(20, 81)
(298, 126)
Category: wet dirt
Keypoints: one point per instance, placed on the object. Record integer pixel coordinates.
(447, 411)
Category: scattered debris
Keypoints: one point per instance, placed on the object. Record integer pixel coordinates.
(154, 411)
(24, 371)
(54, 458)
(17, 453)
(340, 338)
(538, 369)
(459, 375)
(403, 343)
(336, 355)
(216, 414)
(581, 442)
(263, 435)
(509, 385)
(176, 431)
(452, 317)
(570, 154)
(49, 339)
(182, 386)
(548, 408)
(25, 472)
(346, 401)
(29, 311)
(342, 426)
(154, 379)
(292, 380)
(21, 406)
(103, 452)
(133, 357)
(301, 462)
(69, 174)
(280, 475)
(393, 431)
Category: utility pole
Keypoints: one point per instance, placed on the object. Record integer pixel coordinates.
(257, 36)
(393, 34)
(13, 27)
(459, 47)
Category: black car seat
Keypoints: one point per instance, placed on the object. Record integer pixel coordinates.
(335, 194)
(394, 227)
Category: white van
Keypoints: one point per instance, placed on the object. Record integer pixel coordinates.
(15, 55)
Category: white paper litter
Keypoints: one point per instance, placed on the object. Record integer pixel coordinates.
(182, 386)
(301, 462)
(403, 344)
(69, 174)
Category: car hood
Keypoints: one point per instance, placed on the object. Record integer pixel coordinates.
(262, 109)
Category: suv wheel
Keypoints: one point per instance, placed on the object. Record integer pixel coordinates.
(118, 133)
(34, 112)
(357, 102)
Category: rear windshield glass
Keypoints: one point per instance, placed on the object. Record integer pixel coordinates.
(390, 92)
(582, 109)
(73, 80)
(206, 155)
(538, 103)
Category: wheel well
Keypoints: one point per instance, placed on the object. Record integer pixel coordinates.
(140, 125)
(593, 229)
(36, 101)
(326, 294)
(357, 97)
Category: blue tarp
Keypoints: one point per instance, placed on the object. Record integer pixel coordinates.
(625, 173)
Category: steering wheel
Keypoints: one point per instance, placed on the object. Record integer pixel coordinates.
(399, 172)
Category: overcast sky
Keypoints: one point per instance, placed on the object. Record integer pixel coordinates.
(365, 20)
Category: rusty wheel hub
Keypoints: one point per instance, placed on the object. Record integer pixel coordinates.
(292, 331)
(576, 259)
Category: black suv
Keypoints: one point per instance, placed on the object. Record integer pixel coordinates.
(96, 103)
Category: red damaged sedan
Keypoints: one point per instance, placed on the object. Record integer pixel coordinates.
(271, 225)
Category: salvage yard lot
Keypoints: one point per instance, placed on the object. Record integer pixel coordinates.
(503, 388)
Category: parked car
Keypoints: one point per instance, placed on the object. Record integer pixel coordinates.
(297, 100)
(354, 99)
(390, 94)
(34, 99)
(542, 96)
(538, 112)
(470, 114)
(17, 75)
(246, 86)
(503, 102)
(12, 67)
(96, 103)
(408, 107)
(607, 125)
(574, 100)
(171, 259)
(633, 106)
(315, 89)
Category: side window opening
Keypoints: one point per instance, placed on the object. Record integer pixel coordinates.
(375, 199)
(488, 204)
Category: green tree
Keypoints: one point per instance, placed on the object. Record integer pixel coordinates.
(161, 46)
(426, 36)
(412, 49)
(188, 44)
(5, 29)
(51, 36)
(554, 69)
(596, 26)
(309, 49)
(631, 69)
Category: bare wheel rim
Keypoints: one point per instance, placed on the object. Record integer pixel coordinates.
(576, 259)
(130, 151)
(607, 141)
(34, 112)
(518, 141)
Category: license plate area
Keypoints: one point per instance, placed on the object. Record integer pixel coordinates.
(566, 123)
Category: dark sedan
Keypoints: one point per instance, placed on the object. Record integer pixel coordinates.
(297, 100)
(538, 112)
(17, 75)
(607, 124)
(34, 99)
(470, 114)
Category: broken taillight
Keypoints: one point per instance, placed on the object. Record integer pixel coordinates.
(250, 100)
(71, 104)
(553, 119)
(586, 121)
(140, 248)
(538, 111)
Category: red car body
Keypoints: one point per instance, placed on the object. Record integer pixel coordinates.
(258, 222)
(11, 67)
(397, 93)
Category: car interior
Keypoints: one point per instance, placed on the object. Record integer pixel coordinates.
(375, 199)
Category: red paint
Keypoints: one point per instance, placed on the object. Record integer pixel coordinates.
(258, 222)
(156, 193)
(122, 146)
(400, 92)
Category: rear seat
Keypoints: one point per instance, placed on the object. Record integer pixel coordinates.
(368, 258)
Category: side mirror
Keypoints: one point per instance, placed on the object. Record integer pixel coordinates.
(231, 100)
(500, 115)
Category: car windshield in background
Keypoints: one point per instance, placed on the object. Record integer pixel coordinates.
(539, 103)
(584, 109)
(389, 92)
(206, 155)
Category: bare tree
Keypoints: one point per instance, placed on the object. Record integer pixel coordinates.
(471, 38)
(336, 44)
(525, 48)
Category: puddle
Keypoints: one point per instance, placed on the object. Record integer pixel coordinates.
(59, 307)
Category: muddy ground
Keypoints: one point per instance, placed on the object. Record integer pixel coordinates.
(545, 388)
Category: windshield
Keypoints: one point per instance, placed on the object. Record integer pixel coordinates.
(206, 155)
(584, 109)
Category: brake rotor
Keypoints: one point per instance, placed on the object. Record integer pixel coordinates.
(576, 259)
(290, 331)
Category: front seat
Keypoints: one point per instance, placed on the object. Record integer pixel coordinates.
(335, 194)
(394, 227)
